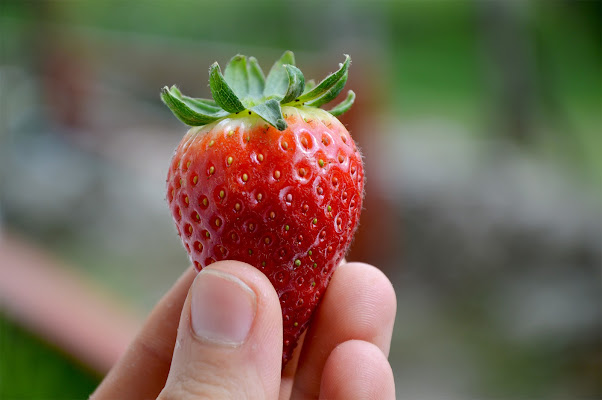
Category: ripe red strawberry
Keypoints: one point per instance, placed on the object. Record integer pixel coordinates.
(268, 178)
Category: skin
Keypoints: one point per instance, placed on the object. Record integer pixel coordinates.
(343, 355)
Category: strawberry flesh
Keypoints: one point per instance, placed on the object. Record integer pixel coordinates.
(286, 202)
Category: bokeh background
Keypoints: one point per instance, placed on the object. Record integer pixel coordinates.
(481, 126)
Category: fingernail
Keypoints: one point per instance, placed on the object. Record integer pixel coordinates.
(222, 307)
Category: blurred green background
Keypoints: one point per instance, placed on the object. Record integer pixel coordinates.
(481, 125)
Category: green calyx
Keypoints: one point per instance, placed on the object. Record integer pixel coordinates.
(243, 87)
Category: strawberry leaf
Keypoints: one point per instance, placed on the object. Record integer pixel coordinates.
(243, 86)
(277, 82)
(272, 113)
(256, 78)
(296, 84)
(344, 105)
(330, 94)
(222, 93)
(236, 75)
(204, 104)
(327, 83)
(188, 111)
(208, 106)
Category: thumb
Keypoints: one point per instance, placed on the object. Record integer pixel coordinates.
(229, 343)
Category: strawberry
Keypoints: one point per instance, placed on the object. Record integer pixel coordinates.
(266, 177)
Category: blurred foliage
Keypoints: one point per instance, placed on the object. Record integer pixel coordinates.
(32, 369)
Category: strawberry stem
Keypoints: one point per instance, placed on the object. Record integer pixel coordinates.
(223, 95)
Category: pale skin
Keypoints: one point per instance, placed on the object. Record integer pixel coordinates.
(343, 355)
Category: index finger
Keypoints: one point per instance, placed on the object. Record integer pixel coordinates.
(142, 371)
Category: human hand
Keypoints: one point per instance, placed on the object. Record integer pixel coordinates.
(219, 336)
